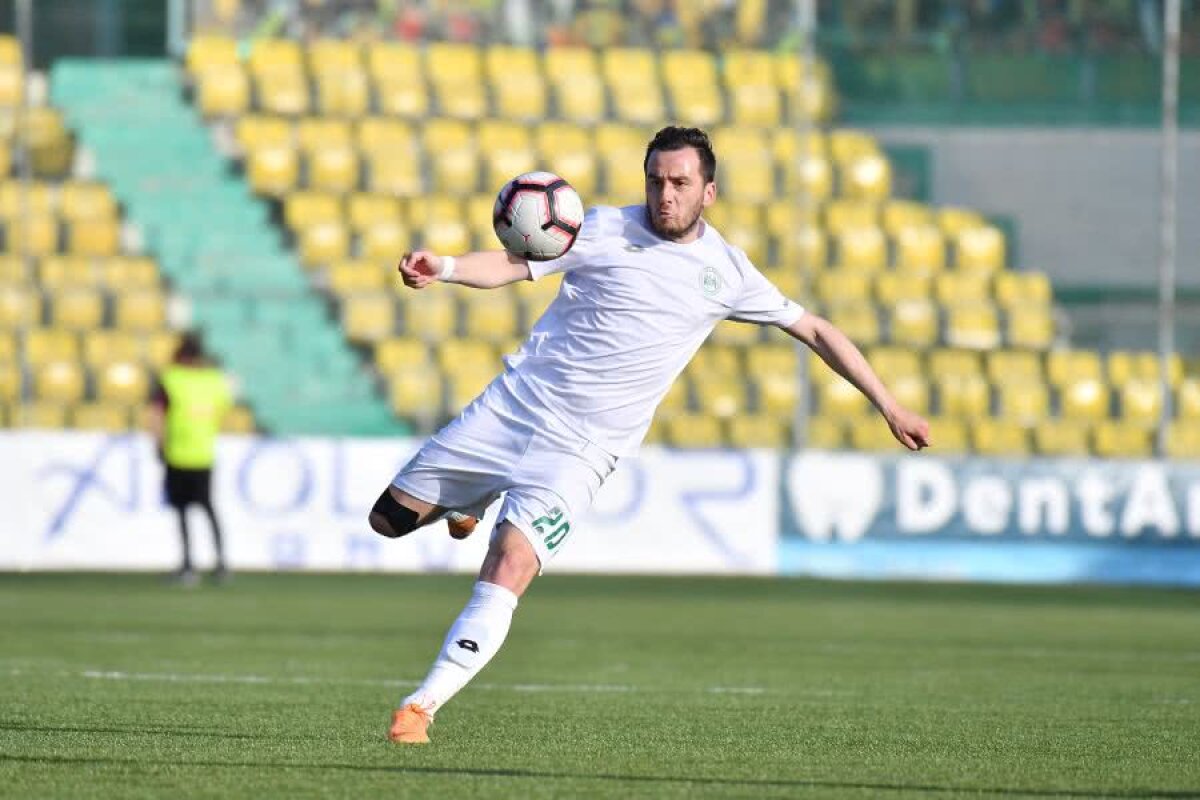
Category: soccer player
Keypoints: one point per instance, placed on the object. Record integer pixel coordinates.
(642, 289)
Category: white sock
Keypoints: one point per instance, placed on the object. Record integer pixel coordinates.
(473, 639)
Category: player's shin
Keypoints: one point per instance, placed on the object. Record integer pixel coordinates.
(473, 639)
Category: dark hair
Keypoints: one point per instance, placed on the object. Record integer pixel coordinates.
(674, 137)
(190, 348)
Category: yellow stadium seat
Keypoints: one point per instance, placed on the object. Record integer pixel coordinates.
(839, 398)
(490, 315)
(719, 396)
(834, 288)
(954, 221)
(94, 237)
(618, 139)
(43, 416)
(859, 321)
(693, 430)
(749, 237)
(973, 325)
(465, 386)
(238, 420)
(397, 355)
(506, 159)
(223, 91)
(809, 177)
(272, 170)
(450, 237)
(914, 323)
(954, 363)
(400, 177)
(1183, 439)
(452, 62)
(255, 131)
(333, 169)
(385, 242)
(269, 55)
(980, 249)
(1066, 366)
(323, 242)
(86, 201)
(700, 105)
(798, 232)
(1187, 400)
(417, 393)
(825, 433)
(368, 317)
(777, 392)
(59, 382)
(993, 437)
(13, 270)
(957, 288)
(352, 277)
(10, 381)
(139, 309)
(871, 433)
(755, 104)
(435, 208)
(431, 315)
(12, 87)
(1018, 366)
(1023, 401)
(749, 179)
(206, 51)
(160, 347)
(771, 359)
(758, 431)
(580, 99)
(787, 145)
(1124, 366)
(1113, 439)
(568, 151)
(8, 348)
(912, 391)
(36, 236)
(892, 287)
(891, 363)
(467, 101)
(402, 97)
(122, 382)
(501, 62)
(847, 145)
(898, 215)
(102, 347)
(50, 144)
(393, 59)
(77, 309)
(1085, 399)
(334, 56)
(122, 273)
(38, 199)
(454, 355)
(1141, 402)
(737, 334)
(479, 220)
(367, 210)
(868, 177)
(305, 208)
(948, 435)
(47, 345)
(456, 171)
(676, 399)
(522, 96)
(842, 215)
(625, 181)
(920, 249)
(862, 249)
(19, 306)
(965, 396)
(318, 133)
(66, 272)
(714, 360)
(282, 93)
(386, 136)
(1022, 289)
(1031, 327)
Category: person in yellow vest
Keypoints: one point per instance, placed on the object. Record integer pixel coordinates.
(186, 410)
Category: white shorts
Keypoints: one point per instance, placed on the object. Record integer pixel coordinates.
(550, 478)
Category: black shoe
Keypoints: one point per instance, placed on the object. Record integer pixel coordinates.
(221, 575)
(185, 577)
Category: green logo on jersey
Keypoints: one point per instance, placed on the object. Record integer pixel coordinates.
(552, 528)
(710, 281)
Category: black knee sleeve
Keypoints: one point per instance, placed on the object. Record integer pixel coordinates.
(400, 519)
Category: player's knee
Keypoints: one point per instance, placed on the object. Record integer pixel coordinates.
(391, 519)
(511, 560)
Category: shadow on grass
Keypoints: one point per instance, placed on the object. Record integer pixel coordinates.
(650, 779)
(148, 730)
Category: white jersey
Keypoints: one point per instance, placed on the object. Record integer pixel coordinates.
(632, 311)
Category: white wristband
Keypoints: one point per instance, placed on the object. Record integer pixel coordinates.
(447, 272)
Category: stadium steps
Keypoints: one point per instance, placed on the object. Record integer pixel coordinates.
(216, 244)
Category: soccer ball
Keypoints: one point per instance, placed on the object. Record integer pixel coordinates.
(537, 215)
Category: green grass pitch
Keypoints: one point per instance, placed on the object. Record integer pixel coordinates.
(281, 686)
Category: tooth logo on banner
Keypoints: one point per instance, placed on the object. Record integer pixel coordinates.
(835, 495)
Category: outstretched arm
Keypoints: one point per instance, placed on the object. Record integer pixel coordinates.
(836, 350)
(486, 269)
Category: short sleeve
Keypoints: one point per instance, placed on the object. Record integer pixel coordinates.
(582, 252)
(761, 301)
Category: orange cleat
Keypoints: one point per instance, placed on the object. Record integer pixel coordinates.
(409, 725)
(461, 525)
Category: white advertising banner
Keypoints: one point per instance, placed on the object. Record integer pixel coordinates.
(91, 501)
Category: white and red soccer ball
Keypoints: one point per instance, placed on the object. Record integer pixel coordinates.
(537, 215)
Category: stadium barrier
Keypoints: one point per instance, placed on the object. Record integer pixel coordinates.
(91, 501)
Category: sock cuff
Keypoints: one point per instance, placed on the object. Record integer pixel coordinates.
(495, 593)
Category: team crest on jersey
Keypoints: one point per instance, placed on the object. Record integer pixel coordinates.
(710, 281)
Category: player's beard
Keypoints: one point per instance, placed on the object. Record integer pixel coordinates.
(678, 226)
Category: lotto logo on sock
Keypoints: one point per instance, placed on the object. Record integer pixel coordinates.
(468, 644)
